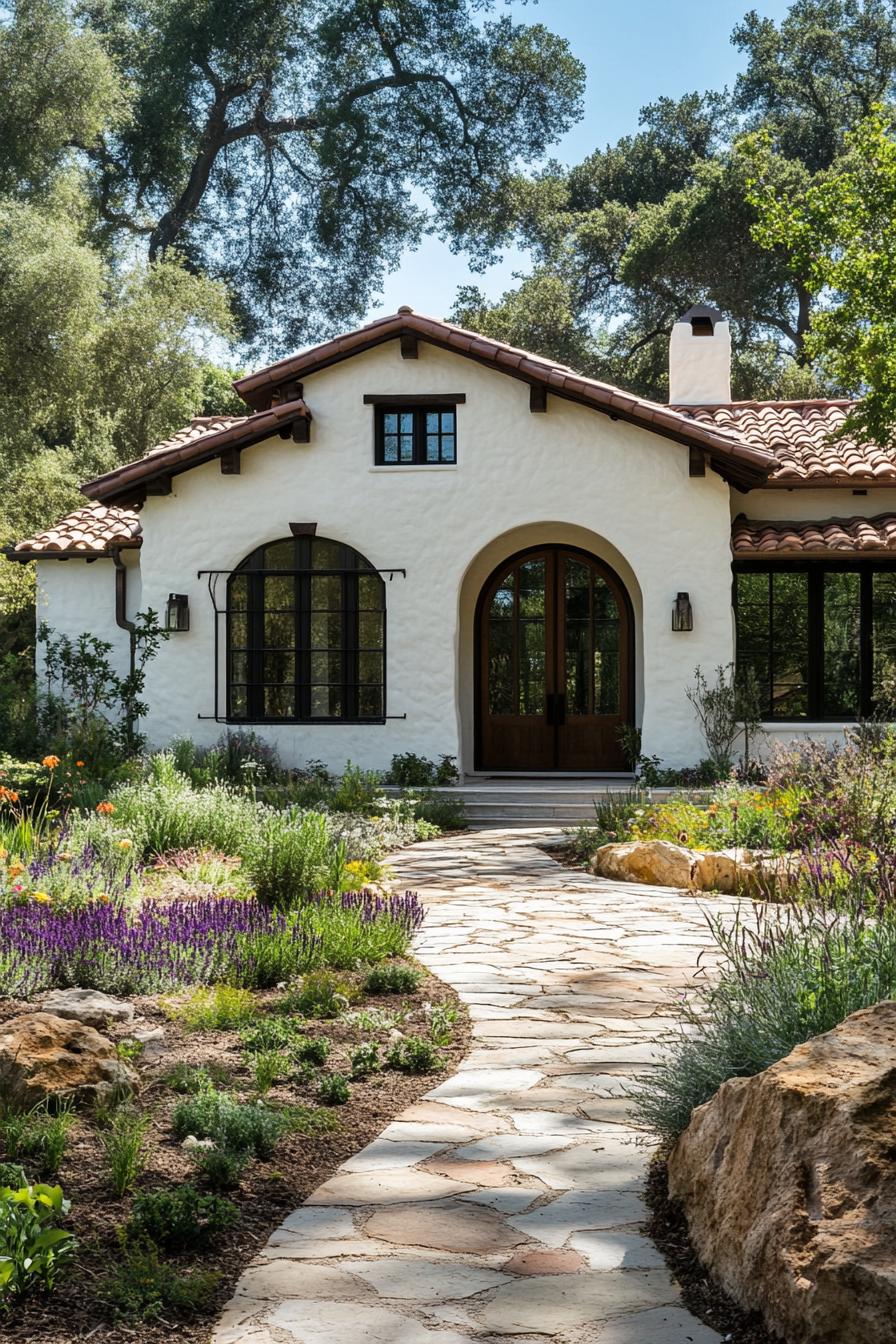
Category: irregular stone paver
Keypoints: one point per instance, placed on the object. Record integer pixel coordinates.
(506, 1205)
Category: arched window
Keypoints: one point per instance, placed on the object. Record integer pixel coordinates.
(306, 634)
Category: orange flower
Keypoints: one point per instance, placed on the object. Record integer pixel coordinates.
(50, 762)
(16, 868)
(105, 809)
(79, 764)
(8, 795)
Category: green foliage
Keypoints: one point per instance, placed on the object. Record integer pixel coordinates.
(392, 979)
(32, 1249)
(442, 1021)
(333, 1089)
(246, 1127)
(439, 811)
(11, 1173)
(143, 1287)
(364, 1060)
(726, 709)
(414, 1054)
(219, 1168)
(241, 759)
(322, 994)
(290, 857)
(192, 1079)
(784, 978)
(181, 1219)
(356, 790)
(164, 812)
(268, 1068)
(410, 771)
(613, 815)
(272, 1033)
(39, 1136)
(312, 1050)
(735, 817)
(124, 1144)
(220, 1008)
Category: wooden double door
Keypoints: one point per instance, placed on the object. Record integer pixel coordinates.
(554, 664)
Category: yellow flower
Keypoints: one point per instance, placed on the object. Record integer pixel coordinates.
(41, 896)
(4, 853)
(50, 762)
(125, 844)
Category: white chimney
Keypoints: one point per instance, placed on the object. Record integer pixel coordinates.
(700, 358)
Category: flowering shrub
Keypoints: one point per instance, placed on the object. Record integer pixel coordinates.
(156, 947)
(62, 876)
(736, 817)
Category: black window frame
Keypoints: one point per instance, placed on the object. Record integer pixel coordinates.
(816, 570)
(352, 567)
(418, 411)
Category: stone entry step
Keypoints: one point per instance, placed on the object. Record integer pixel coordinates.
(532, 801)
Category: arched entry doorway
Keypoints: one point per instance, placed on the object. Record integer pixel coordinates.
(554, 666)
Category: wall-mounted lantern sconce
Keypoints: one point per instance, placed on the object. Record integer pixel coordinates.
(177, 613)
(683, 613)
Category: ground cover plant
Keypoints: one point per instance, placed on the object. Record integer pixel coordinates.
(157, 1231)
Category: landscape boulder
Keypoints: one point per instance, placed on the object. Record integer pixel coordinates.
(43, 1057)
(788, 1182)
(88, 1006)
(664, 864)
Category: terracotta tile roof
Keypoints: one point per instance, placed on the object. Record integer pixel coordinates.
(204, 438)
(755, 537)
(737, 458)
(93, 530)
(800, 434)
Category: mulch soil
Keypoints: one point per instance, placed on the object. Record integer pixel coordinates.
(710, 1303)
(268, 1190)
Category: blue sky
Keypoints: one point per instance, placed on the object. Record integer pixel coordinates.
(634, 52)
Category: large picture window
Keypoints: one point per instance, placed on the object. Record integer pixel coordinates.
(306, 635)
(819, 638)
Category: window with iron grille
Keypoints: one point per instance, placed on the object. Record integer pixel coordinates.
(306, 635)
(422, 435)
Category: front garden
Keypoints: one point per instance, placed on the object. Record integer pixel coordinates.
(246, 1018)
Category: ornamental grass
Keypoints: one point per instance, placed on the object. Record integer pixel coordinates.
(213, 940)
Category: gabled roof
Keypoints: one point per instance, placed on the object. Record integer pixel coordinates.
(801, 434)
(757, 538)
(91, 531)
(737, 460)
(206, 437)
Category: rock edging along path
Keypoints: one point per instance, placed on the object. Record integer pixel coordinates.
(507, 1204)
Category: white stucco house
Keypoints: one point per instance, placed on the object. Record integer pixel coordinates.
(419, 539)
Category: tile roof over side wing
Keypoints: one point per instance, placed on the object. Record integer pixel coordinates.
(94, 530)
(758, 539)
(801, 434)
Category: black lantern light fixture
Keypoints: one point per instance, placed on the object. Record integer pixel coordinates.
(683, 613)
(177, 613)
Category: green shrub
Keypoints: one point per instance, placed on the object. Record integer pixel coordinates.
(181, 1218)
(26, 778)
(417, 772)
(268, 1067)
(333, 1089)
(365, 1060)
(191, 1079)
(442, 1021)
(239, 1126)
(785, 976)
(221, 1008)
(414, 1054)
(440, 810)
(145, 1288)
(40, 1135)
(271, 1033)
(219, 1168)
(392, 979)
(32, 1249)
(291, 857)
(322, 994)
(12, 1174)
(124, 1144)
(312, 1050)
(164, 813)
(357, 790)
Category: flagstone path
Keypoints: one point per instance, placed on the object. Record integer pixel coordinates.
(507, 1204)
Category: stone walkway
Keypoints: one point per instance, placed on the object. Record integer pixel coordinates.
(507, 1204)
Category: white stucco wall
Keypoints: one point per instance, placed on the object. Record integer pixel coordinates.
(542, 476)
(75, 597)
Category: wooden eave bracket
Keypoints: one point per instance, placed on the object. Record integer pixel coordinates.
(538, 397)
(696, 461)
(408, 342)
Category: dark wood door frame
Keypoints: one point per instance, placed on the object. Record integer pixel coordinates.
(627, 632)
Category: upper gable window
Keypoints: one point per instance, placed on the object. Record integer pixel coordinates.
(422, 435)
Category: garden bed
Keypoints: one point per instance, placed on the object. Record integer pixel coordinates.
(267, 1191)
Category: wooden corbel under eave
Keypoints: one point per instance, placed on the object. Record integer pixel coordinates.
(538, 397)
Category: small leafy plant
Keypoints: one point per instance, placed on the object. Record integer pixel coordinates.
(249, 1127)
(392, 978)
(442, 1021)
(32, 1248)
(221, 1008)
(124, 1144)
(192, 1079)
(312, 1050)
(40, 1135)
(322, 994)
(333, 1089)
(268, 1067)
(219, 1168)
(414, 1054)
(364, 1060)
(144, 1288)
(181, 1218)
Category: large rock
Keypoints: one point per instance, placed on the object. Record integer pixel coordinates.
(664, 864)
(87, 1005)
(44, 1057)
(788, 1181)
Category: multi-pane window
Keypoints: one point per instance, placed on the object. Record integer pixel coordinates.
(306, 634)
(820, 639)
(425, 435)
